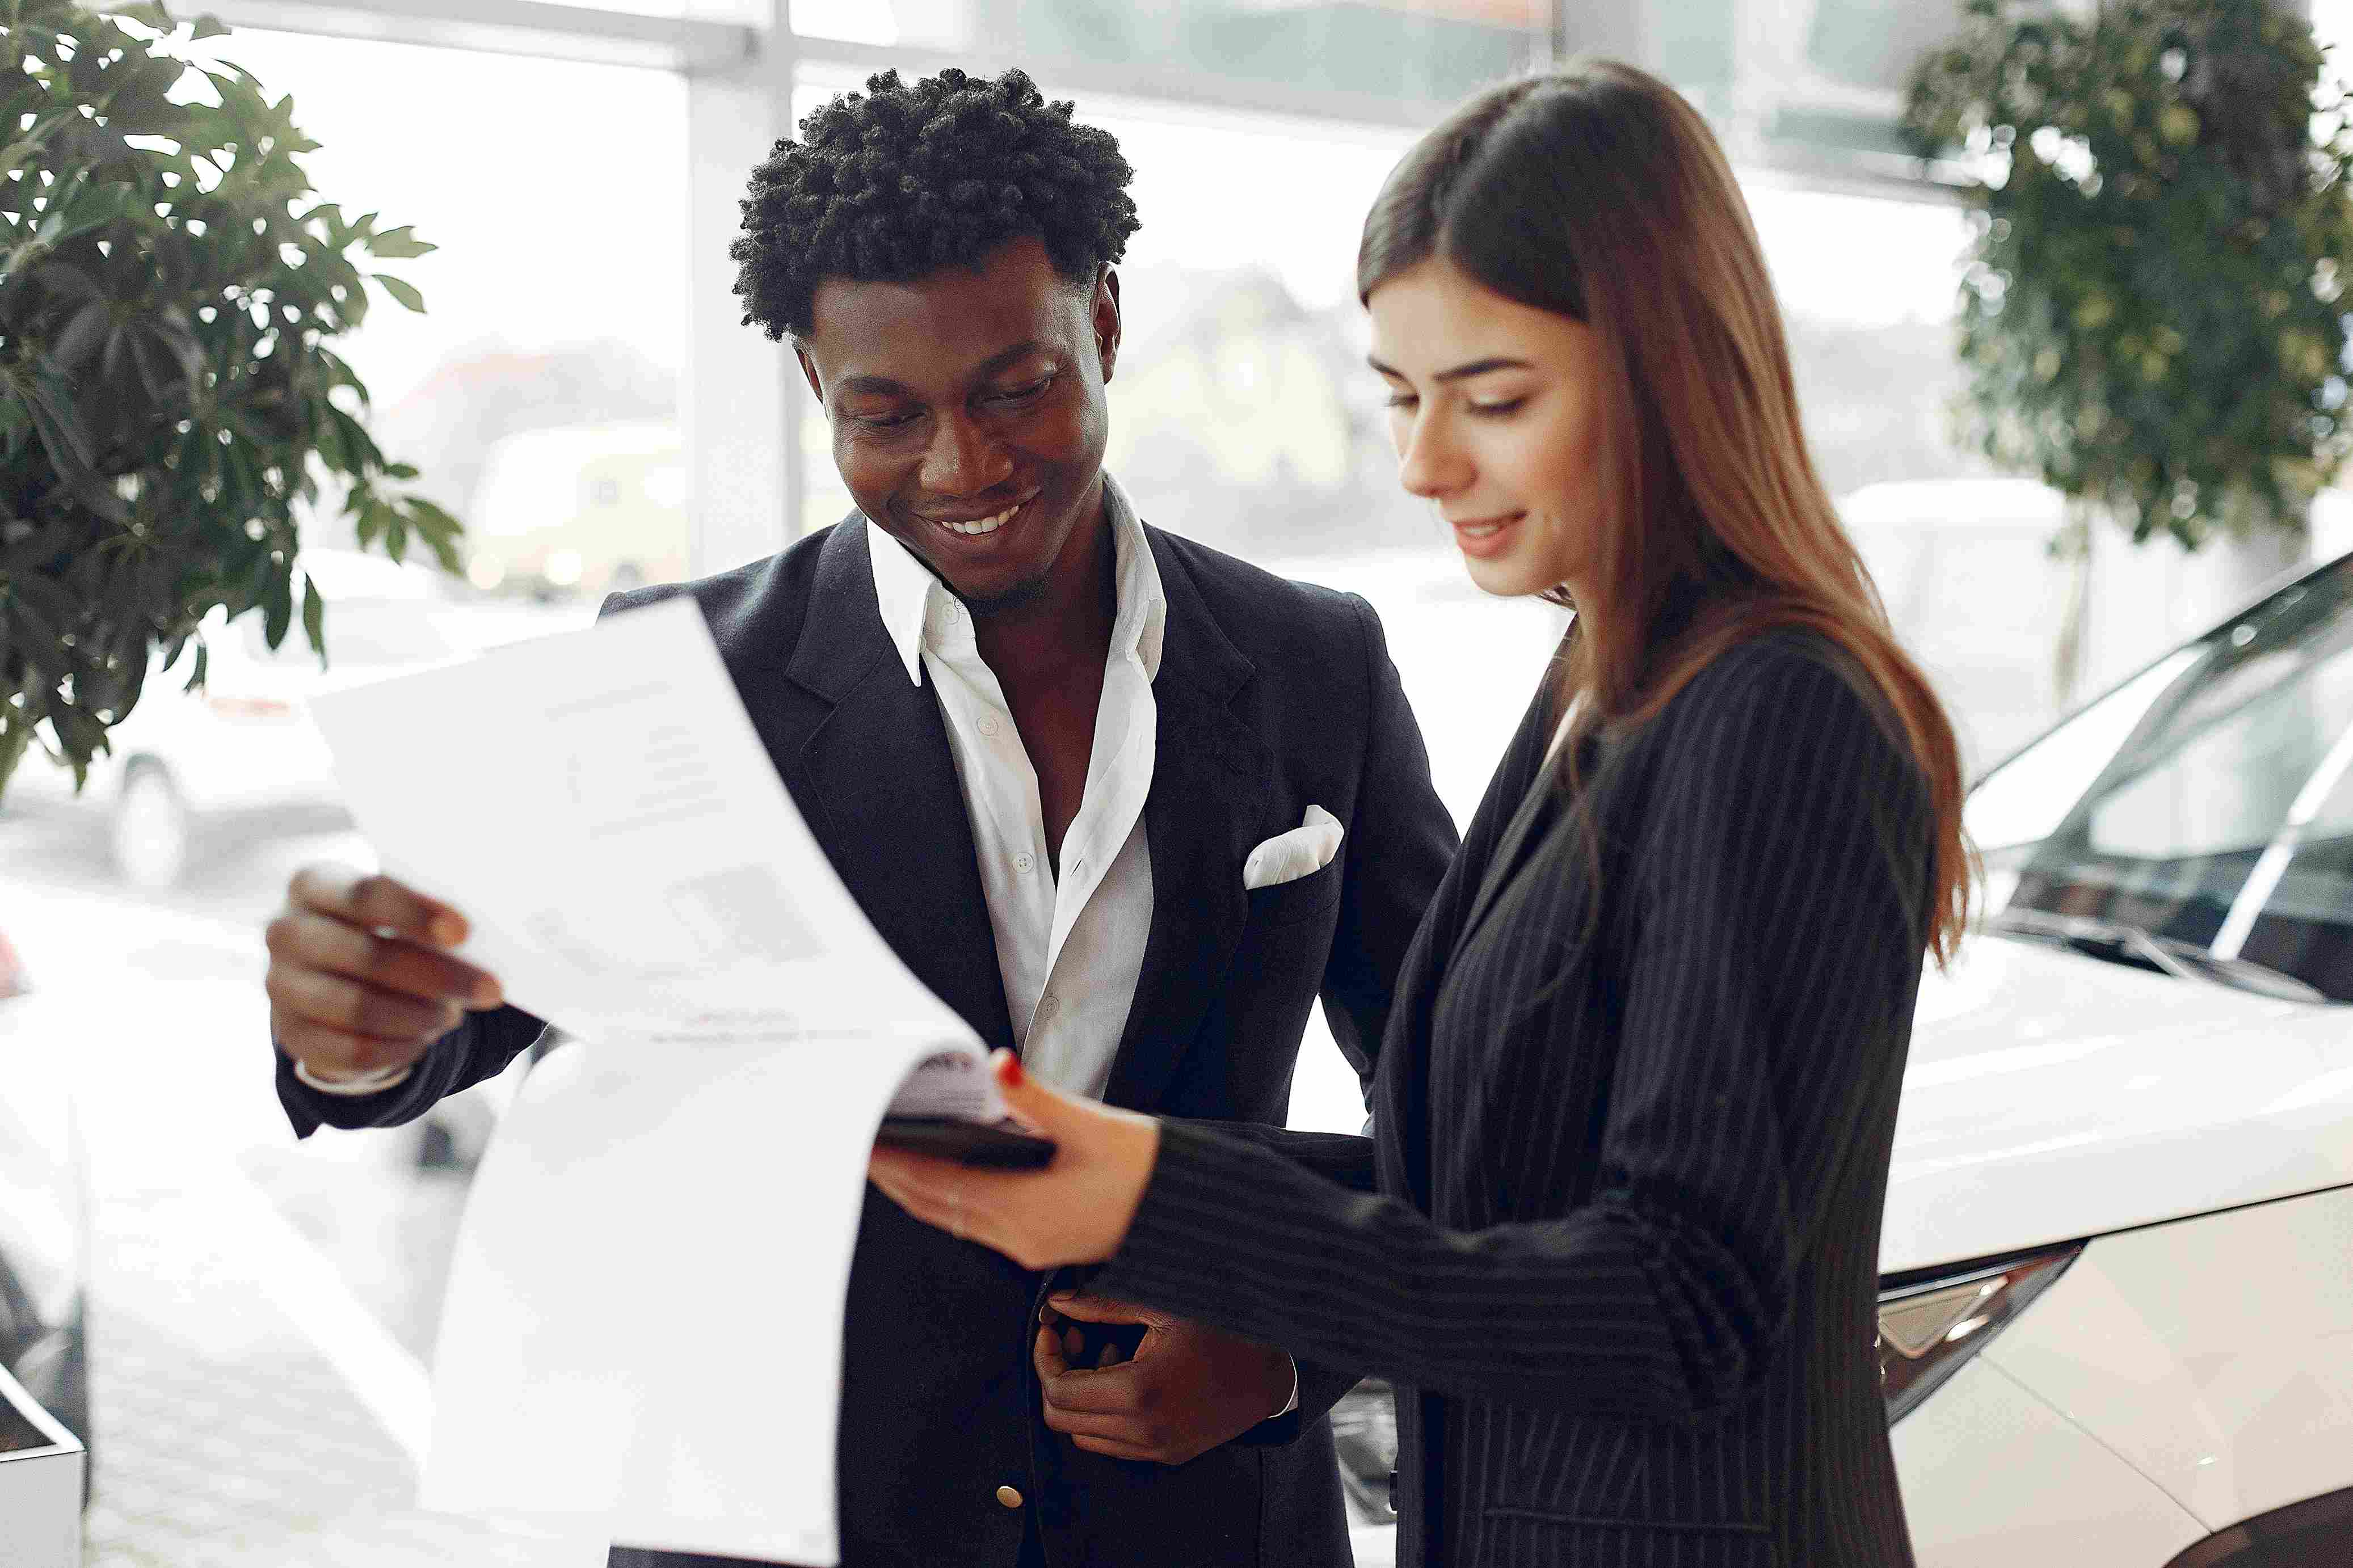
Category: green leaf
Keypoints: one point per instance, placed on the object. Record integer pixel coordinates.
(400, 245)
(209, 27)
(49, 399)
(276, 604)
(315, 617)
(406, 293)
(83, 331)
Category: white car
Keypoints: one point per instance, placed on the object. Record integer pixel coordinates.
(2118, 1326)
(243, 748)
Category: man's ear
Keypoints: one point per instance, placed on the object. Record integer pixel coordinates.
(1106, 318)
(808, 370)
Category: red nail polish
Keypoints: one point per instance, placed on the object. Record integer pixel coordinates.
(1008, 1072)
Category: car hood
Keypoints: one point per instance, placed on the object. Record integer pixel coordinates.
(2051, 1096)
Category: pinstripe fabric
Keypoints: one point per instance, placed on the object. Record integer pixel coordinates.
(1622, 1259)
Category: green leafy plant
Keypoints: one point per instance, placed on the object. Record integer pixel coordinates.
(170, 409)
(2151, 317)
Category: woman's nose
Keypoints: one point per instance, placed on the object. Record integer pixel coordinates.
(964, 460)
(1431, 464)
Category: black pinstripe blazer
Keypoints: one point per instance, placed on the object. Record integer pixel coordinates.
(1622, 1258)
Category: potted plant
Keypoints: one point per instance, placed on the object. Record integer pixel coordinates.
(170, 407)
(2150, 320)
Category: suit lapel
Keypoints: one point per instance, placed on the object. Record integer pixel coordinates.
(1200, 819)
(878, 787)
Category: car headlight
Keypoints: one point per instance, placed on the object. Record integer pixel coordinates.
(1929, 1327)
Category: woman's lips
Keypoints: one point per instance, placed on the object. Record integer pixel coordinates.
(1483, 537)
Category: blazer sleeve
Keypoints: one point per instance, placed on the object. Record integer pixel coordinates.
(477, 1049)
(1778, 912)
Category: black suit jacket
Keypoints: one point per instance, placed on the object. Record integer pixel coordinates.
(1633, 1123)
(1271, 696)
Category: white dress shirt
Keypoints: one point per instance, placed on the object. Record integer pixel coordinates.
(1069, 948)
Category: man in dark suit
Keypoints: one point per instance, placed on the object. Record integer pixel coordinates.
(1127, 804)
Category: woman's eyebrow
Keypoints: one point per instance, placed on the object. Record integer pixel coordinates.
(1481, 367)
(1475, 367)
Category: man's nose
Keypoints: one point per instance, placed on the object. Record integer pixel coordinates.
(963, 459)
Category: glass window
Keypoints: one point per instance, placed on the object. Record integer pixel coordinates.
(539, 391)
(1961, 555)
(1414, 50)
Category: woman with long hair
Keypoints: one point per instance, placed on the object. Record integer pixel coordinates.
(1614, 1238)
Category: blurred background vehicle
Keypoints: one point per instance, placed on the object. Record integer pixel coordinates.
(44, 1207)
(580, 510)
(240, 759)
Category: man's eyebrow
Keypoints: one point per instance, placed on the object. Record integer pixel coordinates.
(883, 387)
(1475, 367)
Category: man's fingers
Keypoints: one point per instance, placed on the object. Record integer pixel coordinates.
(1115, 1451)
(1102, 1391)
(1047, 1354)
(306, 941)
(1104, 1309)
(1111, 1356)
(377, 904)
(355, 1007)
(337, 1050)
(1130, 1428)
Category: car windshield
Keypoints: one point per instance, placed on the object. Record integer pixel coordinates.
(2208, 801)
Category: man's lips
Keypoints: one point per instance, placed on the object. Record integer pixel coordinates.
(973, 525)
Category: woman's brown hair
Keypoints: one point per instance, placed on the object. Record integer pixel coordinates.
(1597, 193)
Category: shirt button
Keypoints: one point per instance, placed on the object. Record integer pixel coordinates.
(988, 725)
(1009, 1497)
(1023, 864)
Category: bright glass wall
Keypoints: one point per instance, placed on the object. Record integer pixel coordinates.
(542, 395)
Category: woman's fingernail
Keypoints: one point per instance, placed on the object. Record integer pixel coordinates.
(1008, 1069)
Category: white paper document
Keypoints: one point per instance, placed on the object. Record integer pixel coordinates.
(642, 1337)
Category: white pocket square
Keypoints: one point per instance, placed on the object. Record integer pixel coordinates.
(1287, 857)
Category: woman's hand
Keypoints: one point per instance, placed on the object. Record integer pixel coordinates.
(1076, 1210)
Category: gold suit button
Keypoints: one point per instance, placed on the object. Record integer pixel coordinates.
(1009, 1497)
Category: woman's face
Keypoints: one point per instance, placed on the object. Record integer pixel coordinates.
(1496, 410)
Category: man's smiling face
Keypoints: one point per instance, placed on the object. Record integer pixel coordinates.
(968, 413)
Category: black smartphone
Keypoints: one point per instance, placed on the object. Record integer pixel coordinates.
(999, 1144)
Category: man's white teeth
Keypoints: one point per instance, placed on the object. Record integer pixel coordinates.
(985, 524)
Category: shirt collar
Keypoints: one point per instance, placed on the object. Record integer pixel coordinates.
(907, 594)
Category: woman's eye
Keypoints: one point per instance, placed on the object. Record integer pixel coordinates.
(1401, 400)
(1498, 410)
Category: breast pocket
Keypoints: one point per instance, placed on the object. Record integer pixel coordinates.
(1300, 899)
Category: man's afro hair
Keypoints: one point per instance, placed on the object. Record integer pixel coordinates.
(898, 181)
